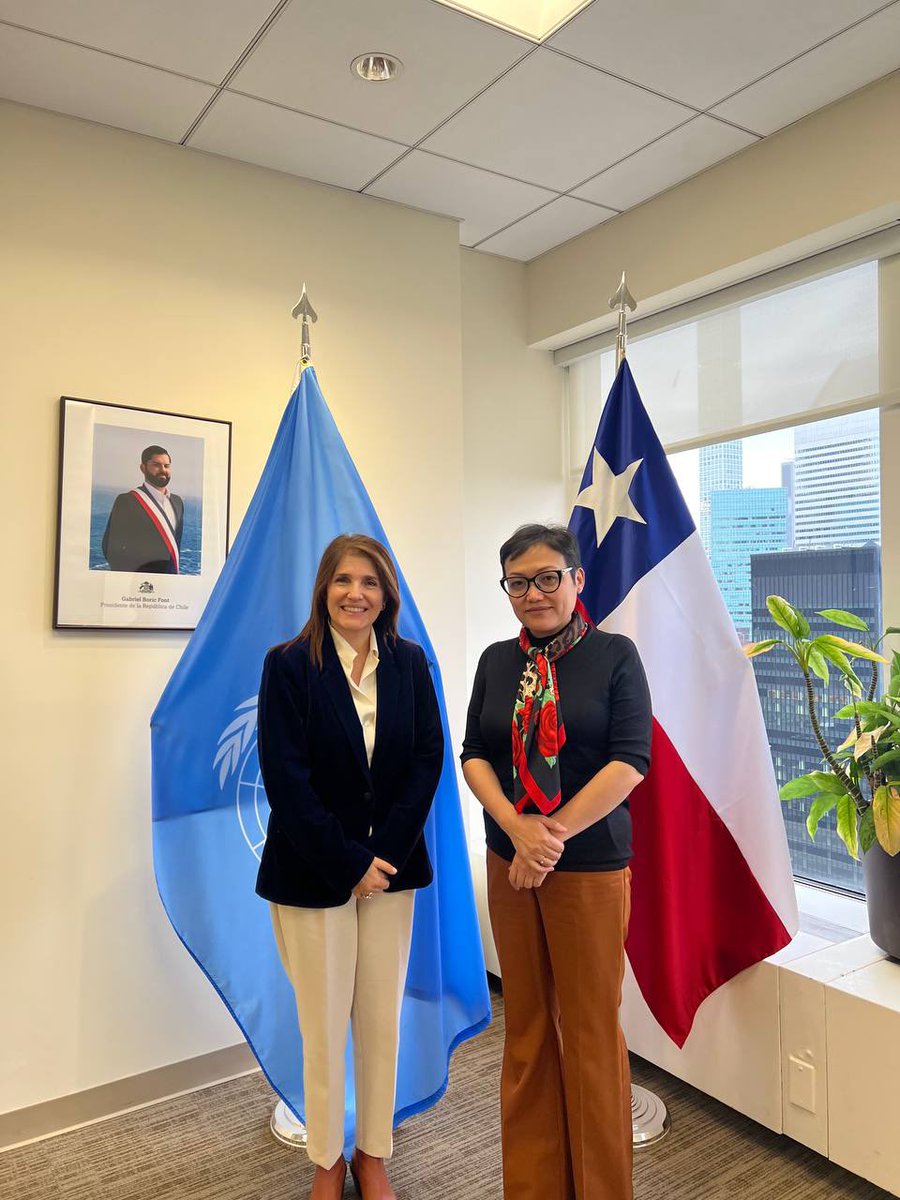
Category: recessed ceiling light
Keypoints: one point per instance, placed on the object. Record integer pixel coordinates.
(375, 67)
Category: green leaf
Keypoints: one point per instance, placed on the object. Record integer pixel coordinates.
(852, 648)
(826, 782)
(886, 811)
(870, 709)
(804, 785)
(817, 811)
(787, 617)
(884, 712)
(841, 661)
(753, 648)
(840, 616)
(883, 759)
(867, 835)
(846, 825)
(892, 629)
(833, 654)
(817, 663)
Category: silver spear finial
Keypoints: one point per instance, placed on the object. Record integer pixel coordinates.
(306, 313)
(619, 302)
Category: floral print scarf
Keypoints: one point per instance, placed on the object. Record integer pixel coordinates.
(538, 733)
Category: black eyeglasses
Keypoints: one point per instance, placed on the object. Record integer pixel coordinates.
(545, 581)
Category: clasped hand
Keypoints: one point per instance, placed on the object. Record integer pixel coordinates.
(376, 879)
(538, 844)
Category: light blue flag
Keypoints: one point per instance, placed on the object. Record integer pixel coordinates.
(209, 804)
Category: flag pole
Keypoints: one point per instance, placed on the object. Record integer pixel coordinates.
(285, 1127)
(650, 1119)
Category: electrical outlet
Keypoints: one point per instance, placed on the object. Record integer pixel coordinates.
(802, 1089)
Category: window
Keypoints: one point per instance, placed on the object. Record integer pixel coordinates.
(758, 503)
(769, 410)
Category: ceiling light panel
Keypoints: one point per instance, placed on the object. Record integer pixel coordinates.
(536, 19)
(203, 38)
(700, 51)
(304, 62)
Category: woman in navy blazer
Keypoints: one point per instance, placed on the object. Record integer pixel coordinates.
(351, 750)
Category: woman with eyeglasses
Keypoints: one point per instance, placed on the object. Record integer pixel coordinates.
(351, 750)
(557, 736)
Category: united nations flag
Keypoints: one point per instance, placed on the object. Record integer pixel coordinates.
(209, 805)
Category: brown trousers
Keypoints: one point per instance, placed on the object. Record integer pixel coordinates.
(565, 1087)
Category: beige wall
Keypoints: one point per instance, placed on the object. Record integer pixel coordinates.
(831, 176)
(513, 436)
(137, 272)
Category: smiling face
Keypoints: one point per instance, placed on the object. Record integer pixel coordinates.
(544, 613)
(354, 598)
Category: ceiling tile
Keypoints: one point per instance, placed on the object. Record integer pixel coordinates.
(50, 74)
(665, 162)
(304, 62)
(269, 136)
(203, 38)
(848, 62)
(483, 202)
(562, 219)
(552, 121)
(700, 51)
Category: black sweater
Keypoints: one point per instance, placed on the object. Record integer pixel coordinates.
(604, 703)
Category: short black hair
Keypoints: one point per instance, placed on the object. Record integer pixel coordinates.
(151, 452)
(557, 537)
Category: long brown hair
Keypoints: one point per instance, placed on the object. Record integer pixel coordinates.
(350, 543)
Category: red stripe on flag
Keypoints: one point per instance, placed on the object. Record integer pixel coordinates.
(698, 915)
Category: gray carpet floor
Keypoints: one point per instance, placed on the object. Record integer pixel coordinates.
(215, 1145)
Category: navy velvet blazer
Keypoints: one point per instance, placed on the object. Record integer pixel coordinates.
(332, 813)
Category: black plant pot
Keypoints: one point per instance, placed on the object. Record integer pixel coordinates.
(882, 875)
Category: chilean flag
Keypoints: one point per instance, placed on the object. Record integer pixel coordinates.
(712, 885)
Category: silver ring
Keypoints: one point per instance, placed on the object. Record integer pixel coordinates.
(367, 895)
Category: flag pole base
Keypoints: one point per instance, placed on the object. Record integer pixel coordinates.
(286, 1128)
(650, 1121)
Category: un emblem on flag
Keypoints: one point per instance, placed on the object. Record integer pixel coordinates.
(237, 762)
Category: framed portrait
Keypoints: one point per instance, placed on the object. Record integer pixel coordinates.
(142, 527)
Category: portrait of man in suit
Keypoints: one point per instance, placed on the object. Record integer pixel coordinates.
(146, 524)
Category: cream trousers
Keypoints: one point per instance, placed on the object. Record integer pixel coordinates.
(348, 965)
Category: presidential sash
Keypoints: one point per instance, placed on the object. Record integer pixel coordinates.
(159, 518)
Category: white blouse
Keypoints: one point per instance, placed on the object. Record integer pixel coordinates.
(364, 693)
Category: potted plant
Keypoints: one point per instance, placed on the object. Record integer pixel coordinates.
(860, 778)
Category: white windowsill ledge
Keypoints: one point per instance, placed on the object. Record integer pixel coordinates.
(832, 908)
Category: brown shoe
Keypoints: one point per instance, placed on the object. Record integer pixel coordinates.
(370, 1177)
(328, 1182)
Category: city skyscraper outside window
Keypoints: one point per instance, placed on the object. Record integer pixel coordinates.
(801, 520)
